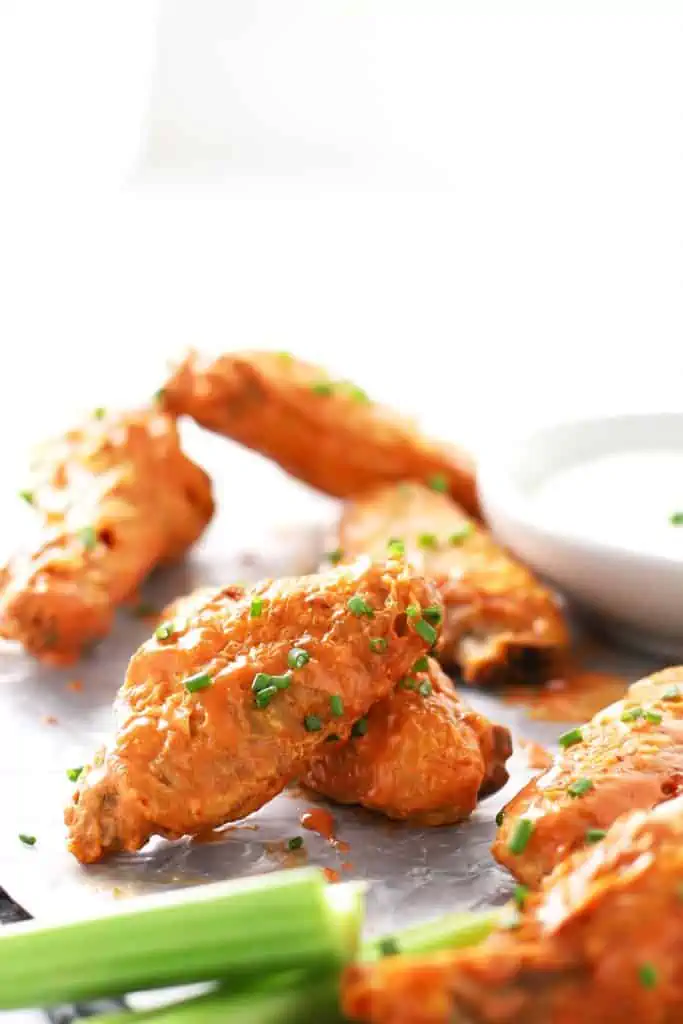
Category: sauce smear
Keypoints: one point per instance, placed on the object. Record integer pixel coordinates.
(573, 696)
(537, 757)
(320, 821)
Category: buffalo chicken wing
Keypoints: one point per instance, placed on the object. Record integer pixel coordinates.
(116, 497)
(600, 943)
(327, 433)
(219, 712)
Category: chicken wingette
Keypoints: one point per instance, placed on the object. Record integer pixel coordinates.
(219, 712)
(325, 432)
(116, 497)
(500, 622)
(426, 757)
(630, 755)
(600, 943)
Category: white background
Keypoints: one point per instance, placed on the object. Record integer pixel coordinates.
(475, 209)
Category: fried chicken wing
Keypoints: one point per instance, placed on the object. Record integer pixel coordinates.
(116, 497)
(426, 757)
(500, 621)
(630, 755)
(600, 943)
(327, 433)
(219, 712)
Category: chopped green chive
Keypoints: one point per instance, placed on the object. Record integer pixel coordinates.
(427, 540)
(421, 665)
(378, 645)
(159, 394)
(580, 787)
(358, 395)
(595, 835)
(388, 946)
(73, 774)
(264, 696)
(312, 723)
(523, 831)
(87, 537)
(336, 705)
(99, 413)
(334, 557)
(332, 738)
(425, 688)
(396, 548)
(676, 519)
(519, 896)
(297, 657)
(264, 681)
(438, 482)
(256, 607)
(360, 727)
(427, 632)
(568, 739)
(408, 683)
(461, 535)
(653, 716)
(673, 693)
(27, 496)
(200, 681)
(412, 611)
(500, 818)
(27, 840)
(164, 631)
(647, 975)
(295, 843)
(432, 614)
(358, 606)
(323, 388)
(632, 715)
(285, 357)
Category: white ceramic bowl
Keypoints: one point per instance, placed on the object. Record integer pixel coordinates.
(631, 576)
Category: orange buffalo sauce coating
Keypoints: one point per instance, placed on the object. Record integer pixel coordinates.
(116, 498)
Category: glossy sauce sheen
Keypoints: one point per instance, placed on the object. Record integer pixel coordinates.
(320, 821)
(636, 762)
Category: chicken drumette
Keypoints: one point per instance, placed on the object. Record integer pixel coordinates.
(219, 712)
(116, 498)
(426, 757)
(600, 943)
(630, 755)
(325, 432)
(500, 622)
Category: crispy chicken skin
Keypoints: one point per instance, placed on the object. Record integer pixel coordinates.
(630, 753)
(116, 497)
(324, 432)
(187, 759)
(600, 943)
(500, 622)
(426, 757)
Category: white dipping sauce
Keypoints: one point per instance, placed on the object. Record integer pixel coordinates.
(626, 498)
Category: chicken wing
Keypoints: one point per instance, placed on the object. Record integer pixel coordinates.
(426, 757)
(327, 433)
(116, 497)
(500, 622)
(630, 755)
(219, 712)
(600, 943)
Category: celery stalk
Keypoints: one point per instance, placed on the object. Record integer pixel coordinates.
(297, 997)
(228, 930)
